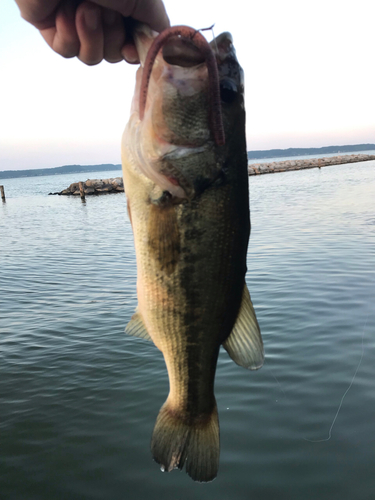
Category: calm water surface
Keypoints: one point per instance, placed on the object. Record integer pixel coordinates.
(78, 399)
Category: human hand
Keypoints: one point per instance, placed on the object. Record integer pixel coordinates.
(93, 30)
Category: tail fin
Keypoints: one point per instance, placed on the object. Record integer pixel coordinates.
(176, 440)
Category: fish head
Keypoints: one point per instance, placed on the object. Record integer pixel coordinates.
(187, 107)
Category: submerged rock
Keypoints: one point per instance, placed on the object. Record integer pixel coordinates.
(95, 186)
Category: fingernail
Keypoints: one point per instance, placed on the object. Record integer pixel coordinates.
(91, 17)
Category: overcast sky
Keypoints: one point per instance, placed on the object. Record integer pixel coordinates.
(309, 81)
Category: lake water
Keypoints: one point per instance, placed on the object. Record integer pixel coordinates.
(79, 399)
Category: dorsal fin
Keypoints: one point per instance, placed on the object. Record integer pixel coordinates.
(244, 345)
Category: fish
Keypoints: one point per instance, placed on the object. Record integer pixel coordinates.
(184, 162)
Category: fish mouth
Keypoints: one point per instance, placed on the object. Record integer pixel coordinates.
(176, 118)
(182, 52)
(184, 47)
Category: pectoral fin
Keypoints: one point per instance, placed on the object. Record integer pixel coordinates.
(244, 345)
(136, 327)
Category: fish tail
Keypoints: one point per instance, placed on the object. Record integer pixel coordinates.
(178, 439)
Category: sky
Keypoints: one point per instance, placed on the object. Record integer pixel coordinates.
(309, 81)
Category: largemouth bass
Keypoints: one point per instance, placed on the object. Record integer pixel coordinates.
(185, 175)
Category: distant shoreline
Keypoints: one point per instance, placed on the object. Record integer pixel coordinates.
(284, 153)
(66, 169)
(252, 155)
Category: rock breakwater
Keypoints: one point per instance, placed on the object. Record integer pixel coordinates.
(115, 185)
(297, 164)
(95, 186)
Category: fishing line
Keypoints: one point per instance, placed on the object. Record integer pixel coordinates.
(211, 28)
(214, 38)
(278, 383)
(343, 397)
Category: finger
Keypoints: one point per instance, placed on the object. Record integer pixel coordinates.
(90, 33)
(63, 38)
(114, 35)
(39, 13)
(151, 12)
(129, 53)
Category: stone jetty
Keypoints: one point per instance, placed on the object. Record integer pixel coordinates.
(297, 164)
(95, 186)
(115, 185)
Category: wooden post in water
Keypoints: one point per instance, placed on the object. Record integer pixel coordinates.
(82, 192)
(2, 193)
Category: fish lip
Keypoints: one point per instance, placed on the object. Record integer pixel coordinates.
(143, 37)
(173, 48)
(182, 52)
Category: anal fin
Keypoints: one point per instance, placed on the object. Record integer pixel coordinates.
(136, 327)
(244, 344)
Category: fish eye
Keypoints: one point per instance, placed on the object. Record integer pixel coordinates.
(228, 90)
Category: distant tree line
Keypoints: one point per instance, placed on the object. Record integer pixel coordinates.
(66, 169)
(281, 153)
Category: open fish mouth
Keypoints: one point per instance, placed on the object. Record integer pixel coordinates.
(186, 47)
(176, 109)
